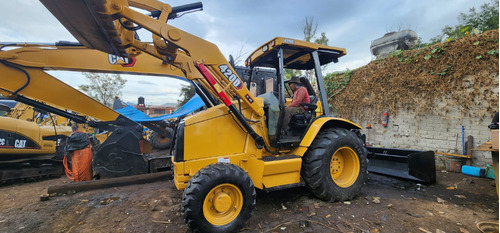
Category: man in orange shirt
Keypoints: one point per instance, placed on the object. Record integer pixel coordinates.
(300, 95)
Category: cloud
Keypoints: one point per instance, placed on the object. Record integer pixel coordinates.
(29, 21)
(145, 82)
(238, 27)
(156, 90)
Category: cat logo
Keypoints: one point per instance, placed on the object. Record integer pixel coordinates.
(125, 61)
(19, 143)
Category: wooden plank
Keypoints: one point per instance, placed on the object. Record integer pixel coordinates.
(487, 146)
(470, 141)
(450, 154)
(108, 183)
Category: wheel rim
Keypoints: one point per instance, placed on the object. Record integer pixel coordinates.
(223, 204)
(344, 167)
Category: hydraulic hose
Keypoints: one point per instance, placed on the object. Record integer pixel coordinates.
(28, 78)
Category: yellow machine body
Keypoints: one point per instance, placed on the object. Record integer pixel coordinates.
(26, 138)
(212, 136)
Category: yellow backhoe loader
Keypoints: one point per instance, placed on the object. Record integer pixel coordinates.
(219, 155)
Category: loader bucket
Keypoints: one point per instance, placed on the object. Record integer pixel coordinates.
(407, 164)
(91, 29)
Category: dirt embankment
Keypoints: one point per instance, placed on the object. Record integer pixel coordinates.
(461, 73)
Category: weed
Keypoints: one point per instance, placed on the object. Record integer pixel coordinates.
(492, 52)
(336, 82)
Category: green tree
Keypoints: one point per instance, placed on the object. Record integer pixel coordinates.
(309, 31)
(321, 39)
(289, 73)
(473, 22)
(484, 20)
(187, 92)
(103, 87)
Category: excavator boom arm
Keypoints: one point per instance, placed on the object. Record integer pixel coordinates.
(23, 75)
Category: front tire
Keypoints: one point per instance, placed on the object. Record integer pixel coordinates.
(218, 198)
(334, 167)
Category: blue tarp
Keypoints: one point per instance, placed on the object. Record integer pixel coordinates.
(133, 114)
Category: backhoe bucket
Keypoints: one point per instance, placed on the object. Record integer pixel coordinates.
(407, 164)
(81, 19)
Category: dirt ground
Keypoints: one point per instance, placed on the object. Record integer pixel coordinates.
(455, 204)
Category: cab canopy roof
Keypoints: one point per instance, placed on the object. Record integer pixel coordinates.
(296, 54)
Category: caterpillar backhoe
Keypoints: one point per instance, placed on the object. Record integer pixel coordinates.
(220, 155)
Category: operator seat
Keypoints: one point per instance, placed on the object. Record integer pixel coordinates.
(302, 120)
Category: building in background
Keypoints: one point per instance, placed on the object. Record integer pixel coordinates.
(153, 110)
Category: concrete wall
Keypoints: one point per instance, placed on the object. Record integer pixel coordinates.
(441, 130)
(436, 133)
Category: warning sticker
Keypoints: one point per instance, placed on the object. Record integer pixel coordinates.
(223, 160)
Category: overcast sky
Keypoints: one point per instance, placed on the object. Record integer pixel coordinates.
(237, 27)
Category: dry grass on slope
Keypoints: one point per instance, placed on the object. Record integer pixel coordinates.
(460, 74)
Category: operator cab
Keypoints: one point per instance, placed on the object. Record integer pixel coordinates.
(276, 61)
(299, 122)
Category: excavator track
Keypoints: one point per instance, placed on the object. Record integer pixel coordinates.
(31, 169)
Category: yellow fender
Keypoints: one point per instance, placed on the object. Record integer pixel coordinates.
(326, 122)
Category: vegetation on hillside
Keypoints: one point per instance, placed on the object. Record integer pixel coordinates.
(433, 78)
(455, 75)
(471, 23)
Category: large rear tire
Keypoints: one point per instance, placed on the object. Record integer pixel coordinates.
(218, 198)
(334, 167)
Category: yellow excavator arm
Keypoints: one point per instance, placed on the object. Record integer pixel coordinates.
(24, 79)
(23, 74)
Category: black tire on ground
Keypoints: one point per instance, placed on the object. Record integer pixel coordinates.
(218, 198)
(162, 142)
(334, 167)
